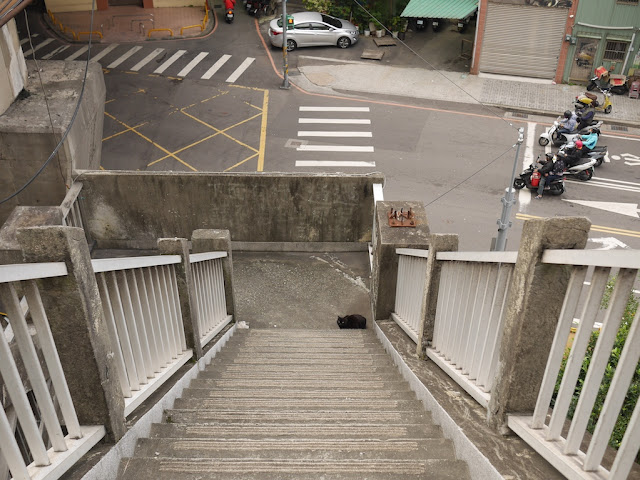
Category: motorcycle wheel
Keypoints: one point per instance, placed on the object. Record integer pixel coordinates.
(556, 189)
(591, 86)
(518, 184)
(585, 174)
(543, 141)
(598, 162)
(608, 109)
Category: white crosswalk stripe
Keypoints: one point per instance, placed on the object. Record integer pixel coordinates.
(25, 40)
(75, 55)
(240, 70)
(124, 57)
(169, 62)
(42, 44)
(104, 53)
(147, 59)
(335, 133)
(191, 65)
(216, 66)
(55, 52)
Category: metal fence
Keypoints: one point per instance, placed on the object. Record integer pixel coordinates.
(142, 311)
(409, 305)
(53, 452)
(208, 281)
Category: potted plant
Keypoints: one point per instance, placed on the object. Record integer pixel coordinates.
(395, 25)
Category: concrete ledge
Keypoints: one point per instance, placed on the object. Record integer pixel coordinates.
(327, 247)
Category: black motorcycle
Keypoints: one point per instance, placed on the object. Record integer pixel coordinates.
(528, 180)
(229, 15)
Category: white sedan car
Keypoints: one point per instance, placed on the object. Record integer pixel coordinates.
(314, 29)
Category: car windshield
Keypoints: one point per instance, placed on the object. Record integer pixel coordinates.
(331, 21)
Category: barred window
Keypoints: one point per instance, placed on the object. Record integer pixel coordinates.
(615, 51)
(633, 2)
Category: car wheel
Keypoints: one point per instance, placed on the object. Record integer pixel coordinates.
(543, 141)
(344, 42)
(291, 45)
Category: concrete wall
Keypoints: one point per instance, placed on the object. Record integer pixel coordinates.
(26, 138)
(13, 70)
(68, 5)
(134, 209)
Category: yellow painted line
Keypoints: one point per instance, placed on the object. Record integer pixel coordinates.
(263, 131)
(159, 147)
(109, 101)
(132, 73)
(595, 228)
(123, 131)
(102, 168)
(241, 162)
(223, 132)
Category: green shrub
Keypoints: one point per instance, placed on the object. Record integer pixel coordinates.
(634, 389)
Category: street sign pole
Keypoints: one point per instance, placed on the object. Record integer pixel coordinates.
(285, 60)
(508, 200)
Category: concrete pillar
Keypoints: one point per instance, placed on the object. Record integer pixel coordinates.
(534, 302)
(385, 260)
(481, 22)
(206, 240)
(77, 322)
(437, 243)
(186, 292)
(564, 49)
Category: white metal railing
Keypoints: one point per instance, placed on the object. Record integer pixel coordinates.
(144, 320)
(378, 196)
(410, 289)
(469, 317)
(546, 436)
(65, 449)
(208, 284)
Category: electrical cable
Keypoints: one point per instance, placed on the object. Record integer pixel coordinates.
(436, 70)
(73, 118)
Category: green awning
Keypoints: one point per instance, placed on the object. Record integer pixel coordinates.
(453, 9)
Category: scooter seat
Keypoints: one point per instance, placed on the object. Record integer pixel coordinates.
(591, 96)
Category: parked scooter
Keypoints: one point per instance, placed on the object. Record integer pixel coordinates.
(531, 180)
(229, 15)
(603, 79)
(561, 138)
(436, 23)
(421, 24)
(589, 100)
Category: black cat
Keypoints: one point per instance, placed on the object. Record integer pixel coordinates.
(352, 321)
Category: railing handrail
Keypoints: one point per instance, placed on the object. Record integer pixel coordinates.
(202, 257)
(593, 258)
(70, 197)
(115, 264)
(486, 257)
(31, 271)
(413, 252)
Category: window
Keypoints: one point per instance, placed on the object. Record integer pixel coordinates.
(631, 2)
(615, 51)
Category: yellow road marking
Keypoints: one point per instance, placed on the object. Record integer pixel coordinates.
(123, 131)
(223, 132)
(595, 228)
(240, 163)
(263, 130)
(151, 142)
(109, 101)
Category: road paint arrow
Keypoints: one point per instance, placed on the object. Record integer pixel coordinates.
(628, 209)
(608, 243)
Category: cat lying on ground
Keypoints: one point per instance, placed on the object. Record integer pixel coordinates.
(352, 321)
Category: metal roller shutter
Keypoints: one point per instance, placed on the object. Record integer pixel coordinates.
(522, 40)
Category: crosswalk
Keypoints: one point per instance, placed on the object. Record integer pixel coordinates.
(352, 154)
(159, 61)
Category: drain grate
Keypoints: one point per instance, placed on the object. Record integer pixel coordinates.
(619, 128)
(519, 115)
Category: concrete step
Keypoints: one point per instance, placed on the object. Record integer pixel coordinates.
(158, 468)
(230, 416)
(286, 403)
(265, 371)
(267, 449)
(283, 361)
(307, 431)
(332, 398)
(295, 384)
(321, 357)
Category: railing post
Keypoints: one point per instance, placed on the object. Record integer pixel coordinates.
(534, 301)
(74, 310)
(437, 243)
(206, 240)
(384, 271)
(180, 246)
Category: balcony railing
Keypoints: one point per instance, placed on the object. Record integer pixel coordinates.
(142, 311)
(67, 438)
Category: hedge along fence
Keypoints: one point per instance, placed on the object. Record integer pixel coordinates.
(633, 394)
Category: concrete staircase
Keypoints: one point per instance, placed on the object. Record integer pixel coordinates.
(297, 404)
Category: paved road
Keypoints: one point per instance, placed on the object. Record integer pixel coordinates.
(214, 105)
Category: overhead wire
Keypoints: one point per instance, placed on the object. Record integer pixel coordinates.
(73, 118)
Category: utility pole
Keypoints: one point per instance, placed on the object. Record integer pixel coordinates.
(285, 60)
(508, 200)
